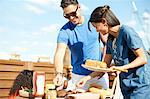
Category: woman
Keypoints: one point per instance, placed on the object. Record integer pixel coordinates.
(22, 81)
(125, 47)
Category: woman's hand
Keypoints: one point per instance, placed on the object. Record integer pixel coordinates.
(82, 81)
(119, 68)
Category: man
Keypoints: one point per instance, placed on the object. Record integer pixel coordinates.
(82, 43)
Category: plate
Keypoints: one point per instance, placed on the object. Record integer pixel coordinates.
(98, 69)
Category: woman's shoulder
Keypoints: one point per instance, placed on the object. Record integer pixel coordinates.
(127, 29)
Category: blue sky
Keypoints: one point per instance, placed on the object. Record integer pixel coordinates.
(30, 27)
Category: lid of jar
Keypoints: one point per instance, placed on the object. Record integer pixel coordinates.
(50, 86)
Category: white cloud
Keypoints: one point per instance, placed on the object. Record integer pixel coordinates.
(145, 39)
(4, 55)
(24, 42)
(146, 17)
(46, 30)
(51, 44)
(35, 43)
(34, 9)
(34, 34)
(55, 4)
(5, 42)
(53, 28)
(131, 23)
(84, 8)
(35, 58)
(39, 1)
(18, 49)
(2, 30)
(142, 34)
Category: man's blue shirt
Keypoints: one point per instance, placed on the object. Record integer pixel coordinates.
(82, 43)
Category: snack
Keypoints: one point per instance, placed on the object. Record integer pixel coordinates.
(91, 63)
(101, 64)
(94, 90)
(61, 93)
(95, 63)
(103, 93)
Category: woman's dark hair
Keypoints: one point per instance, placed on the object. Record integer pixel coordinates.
(65, 3)
(104, 12)
(24, 79)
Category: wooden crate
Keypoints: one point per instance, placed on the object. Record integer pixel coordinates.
(9, 69)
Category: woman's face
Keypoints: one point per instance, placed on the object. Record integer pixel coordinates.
(100, 27)
(72, 13)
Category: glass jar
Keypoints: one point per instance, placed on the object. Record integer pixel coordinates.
(51, 92)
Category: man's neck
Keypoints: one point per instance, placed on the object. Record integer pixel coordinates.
(81, 20)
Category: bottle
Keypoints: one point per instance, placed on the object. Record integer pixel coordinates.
(51, 92)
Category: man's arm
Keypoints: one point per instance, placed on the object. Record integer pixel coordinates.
(58, 63)
(59, 57)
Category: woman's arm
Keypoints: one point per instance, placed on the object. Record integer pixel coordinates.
(140, 60)
(108, 59)
(82, 81)
(103, 38)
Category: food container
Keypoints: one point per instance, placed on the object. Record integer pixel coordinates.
(51, 91)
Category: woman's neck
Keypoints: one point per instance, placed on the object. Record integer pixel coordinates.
(114, 31)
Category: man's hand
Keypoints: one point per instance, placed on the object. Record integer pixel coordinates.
(58, 80)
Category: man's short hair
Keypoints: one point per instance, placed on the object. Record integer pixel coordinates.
(65, 3)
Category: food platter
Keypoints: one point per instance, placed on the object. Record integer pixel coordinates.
(98, 69)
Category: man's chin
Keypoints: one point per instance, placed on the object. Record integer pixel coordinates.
(75, 22)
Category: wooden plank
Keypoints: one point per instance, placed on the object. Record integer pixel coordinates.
(6, 83)
(8, 75)
(50, 77)
(6, 97)
(11, 62)
(49, 81)
(4, 92)
(13, 75)
(11, 68)
(44, 69)
(43, 64)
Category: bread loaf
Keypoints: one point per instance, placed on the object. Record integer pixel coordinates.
(91, 63)
(95, 63)
(61, 93)
(101, 64)
(103, 93)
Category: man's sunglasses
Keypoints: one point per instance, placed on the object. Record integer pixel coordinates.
(73, 14)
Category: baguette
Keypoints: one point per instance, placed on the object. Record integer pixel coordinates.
(91, 63)
(95, 63)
